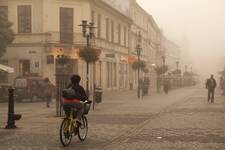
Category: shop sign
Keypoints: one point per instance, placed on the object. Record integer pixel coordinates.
(110, 55)
(123, 59)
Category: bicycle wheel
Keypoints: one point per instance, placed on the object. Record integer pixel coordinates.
(83, 129)
(65, 134)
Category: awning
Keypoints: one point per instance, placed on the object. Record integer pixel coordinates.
(6, 68)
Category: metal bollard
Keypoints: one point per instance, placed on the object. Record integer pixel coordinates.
(11, 116)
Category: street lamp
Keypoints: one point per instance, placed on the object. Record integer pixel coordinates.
(164, 60)
(138, 48)
(177, 64)
(88, 33)
(177, 74)
(164, 64)
(186, 68)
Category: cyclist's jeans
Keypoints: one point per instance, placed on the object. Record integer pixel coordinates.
(80, 110)
(78, 107)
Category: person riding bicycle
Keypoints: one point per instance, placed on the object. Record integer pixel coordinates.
(80, 96)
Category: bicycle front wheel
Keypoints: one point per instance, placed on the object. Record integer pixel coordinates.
(65, 133)
(83, 129)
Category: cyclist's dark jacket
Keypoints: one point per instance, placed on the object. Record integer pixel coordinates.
(81, 95)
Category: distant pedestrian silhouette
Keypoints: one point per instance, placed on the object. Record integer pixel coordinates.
(166, 86)
(211, 85)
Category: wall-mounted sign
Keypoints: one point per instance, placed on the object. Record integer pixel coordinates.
(110, 55)
(32, 52)
(123, 59)
(36, 64)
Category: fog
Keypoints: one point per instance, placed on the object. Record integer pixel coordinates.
(197, 26)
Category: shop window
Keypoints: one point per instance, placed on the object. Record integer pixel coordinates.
(50, 59)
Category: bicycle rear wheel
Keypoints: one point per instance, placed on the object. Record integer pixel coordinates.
(83, 129)
(65, 133)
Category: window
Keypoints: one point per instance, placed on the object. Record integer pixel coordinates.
(109, 74)
(93, 16)
(99, 26)
(115, 75)
(24, 19)
(107, 28)
(4, 10)
(119, 34)
(125, 36)
(50, 59)
(66, 25)
(112, 31)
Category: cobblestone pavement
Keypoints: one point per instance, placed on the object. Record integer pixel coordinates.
(180, 120)
(192, 124)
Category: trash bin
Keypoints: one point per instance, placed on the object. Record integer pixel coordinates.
(98, 95)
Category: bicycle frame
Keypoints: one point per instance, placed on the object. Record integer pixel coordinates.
(72, 122)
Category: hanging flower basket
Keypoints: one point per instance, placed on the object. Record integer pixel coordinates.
(177, 72)
(146, 70)
(139, 64)
(90, 55)
(161, 69)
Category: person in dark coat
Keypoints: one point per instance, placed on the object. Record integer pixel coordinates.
(48, 91)
(145, 86)
(75, 84)
(80, 96)
(211, 85)
(166, 86)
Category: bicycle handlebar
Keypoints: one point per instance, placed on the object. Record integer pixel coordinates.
(86, 102)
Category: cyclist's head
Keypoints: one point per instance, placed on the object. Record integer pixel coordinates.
(75, 79)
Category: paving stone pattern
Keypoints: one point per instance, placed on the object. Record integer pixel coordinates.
(182, 120)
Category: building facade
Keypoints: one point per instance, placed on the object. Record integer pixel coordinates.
(47, 28)
(145, 26)
(172, 54)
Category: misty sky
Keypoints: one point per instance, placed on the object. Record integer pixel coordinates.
(198, 24)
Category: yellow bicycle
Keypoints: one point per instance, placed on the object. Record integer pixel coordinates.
(70, 127)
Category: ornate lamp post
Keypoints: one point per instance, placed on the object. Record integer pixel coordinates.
(164, 64)
(164, 60)
(186, 68)
(138, 48)
(177, 64)
(88, 33)
(177, 75)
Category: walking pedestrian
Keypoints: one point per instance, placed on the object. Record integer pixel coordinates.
(211, 85)
(166, 86)
(223, 87)
(48, 91)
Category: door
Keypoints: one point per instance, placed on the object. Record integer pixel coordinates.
(24, 67)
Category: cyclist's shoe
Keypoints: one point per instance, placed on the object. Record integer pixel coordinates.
(79, 123)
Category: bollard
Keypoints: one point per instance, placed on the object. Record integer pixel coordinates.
(11, 116)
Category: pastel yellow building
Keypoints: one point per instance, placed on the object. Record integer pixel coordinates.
(46, 28)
